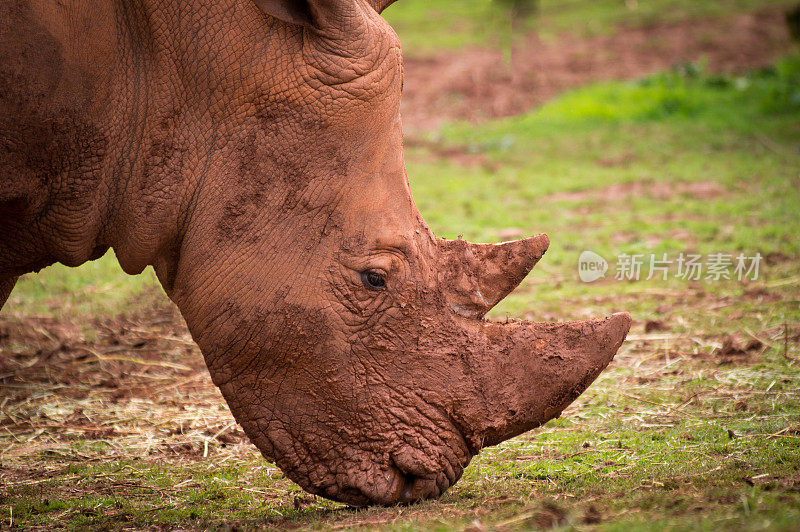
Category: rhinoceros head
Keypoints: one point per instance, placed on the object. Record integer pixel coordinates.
(348, 340)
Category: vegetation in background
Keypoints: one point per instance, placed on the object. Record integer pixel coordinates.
(425, 26)
(97, 288)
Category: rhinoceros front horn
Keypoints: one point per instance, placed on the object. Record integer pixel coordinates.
(527, 372)
(476, 277)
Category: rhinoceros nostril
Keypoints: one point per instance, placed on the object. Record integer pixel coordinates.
(416, 488)
(407, 483)
(407, 491)
(354, 497)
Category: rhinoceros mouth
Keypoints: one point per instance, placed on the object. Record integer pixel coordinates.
(407, 475)
(398, 486)
(415, 488)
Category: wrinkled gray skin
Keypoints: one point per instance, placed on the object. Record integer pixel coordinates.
(251, 152)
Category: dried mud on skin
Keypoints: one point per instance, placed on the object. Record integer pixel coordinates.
(479, 84)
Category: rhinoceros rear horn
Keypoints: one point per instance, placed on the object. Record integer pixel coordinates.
(475, 277)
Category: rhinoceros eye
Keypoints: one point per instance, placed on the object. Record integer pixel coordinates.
(373, 280)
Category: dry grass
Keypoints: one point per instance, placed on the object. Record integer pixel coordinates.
(139, 387)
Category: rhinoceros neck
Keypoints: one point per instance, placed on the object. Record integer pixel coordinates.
(183, 82)
(69, 124)
(94, 148)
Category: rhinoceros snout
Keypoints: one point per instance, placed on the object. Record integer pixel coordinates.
(405, 476)
(391, 486)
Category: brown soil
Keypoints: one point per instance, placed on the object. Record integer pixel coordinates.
(478, 83)
(138, 378)
(657, 190)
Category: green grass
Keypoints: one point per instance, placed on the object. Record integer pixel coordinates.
(426, 26)
(672, 436)
(97, 288)
(141, 494)
(740, 136)
(613, 464)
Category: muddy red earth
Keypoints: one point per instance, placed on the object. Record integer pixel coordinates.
(478, 84)
(136, 380)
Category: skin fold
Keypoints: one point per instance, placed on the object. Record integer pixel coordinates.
(251, 152)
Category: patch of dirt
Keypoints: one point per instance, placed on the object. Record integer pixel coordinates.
(550, 516)
(592, 516)
(478, 83)
(656, 190)
(137, 379)
(759, 294)
(655, 326)
(45, 350)
(733, 351)
(455, 154)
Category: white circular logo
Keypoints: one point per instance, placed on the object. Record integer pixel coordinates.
(591, 266)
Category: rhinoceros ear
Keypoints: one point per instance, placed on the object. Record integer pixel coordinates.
(310, 12)
(291, 11)
(380, 5)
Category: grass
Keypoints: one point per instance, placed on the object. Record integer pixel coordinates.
(97, 288)
(427, 26)
(577, 159)
(676, 434)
